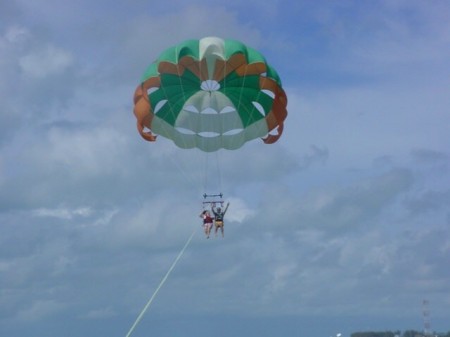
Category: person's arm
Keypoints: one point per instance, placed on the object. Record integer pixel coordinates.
(225, 210)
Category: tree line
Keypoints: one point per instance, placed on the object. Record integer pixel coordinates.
(398, 333)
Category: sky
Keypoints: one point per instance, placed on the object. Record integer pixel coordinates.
(340, 226)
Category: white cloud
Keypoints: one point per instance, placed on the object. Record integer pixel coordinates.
(5, 266)
(238, 210)
(17, 34)
(106, 312)
(63, 213)
(39, 309)
(280, 277)
(46, 62)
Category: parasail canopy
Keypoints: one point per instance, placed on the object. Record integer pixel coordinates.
(210, 94)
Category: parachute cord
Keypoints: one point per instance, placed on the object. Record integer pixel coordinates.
(206, 172)
(138, 319)
(219, 172)
(212, 174)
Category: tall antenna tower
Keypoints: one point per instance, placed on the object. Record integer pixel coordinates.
(426, 318)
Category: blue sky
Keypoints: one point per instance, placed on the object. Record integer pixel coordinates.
(341, 226)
